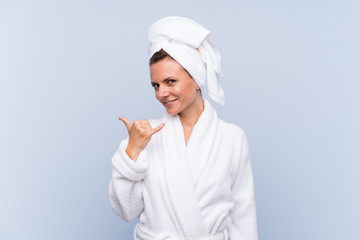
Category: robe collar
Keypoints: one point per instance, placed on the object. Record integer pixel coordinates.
(183, 166)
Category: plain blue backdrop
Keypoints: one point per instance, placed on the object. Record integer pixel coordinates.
(68, 69)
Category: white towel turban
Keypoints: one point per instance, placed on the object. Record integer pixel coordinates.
(190, 44)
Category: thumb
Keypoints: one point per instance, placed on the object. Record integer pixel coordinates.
(126, 122)
(158, 128)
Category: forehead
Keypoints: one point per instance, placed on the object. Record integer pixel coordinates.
(165, 68)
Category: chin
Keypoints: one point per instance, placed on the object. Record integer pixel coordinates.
(172, 111)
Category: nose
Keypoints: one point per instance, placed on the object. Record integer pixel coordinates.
(162, 92)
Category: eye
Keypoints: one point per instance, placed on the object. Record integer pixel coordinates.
(171, 81)
(155, 86)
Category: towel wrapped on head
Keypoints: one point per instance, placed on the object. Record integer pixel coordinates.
(190, 44)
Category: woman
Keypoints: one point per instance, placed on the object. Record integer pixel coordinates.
(187, 175)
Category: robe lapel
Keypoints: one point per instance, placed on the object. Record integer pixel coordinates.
(201, 143)
(181, 178)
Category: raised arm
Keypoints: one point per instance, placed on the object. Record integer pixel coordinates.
(129, 169)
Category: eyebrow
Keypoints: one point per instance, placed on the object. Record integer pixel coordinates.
(168, 78)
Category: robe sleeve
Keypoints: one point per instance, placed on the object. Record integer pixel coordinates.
(243, 213)
(125, 187)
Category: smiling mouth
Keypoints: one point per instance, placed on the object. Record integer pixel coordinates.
(171, 101)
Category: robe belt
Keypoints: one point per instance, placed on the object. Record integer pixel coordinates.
(140, 235)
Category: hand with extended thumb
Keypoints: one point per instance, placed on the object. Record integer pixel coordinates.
(140, 132)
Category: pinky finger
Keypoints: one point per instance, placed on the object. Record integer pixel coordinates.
(158, 128)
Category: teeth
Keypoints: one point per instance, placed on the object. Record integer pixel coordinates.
(170, 101)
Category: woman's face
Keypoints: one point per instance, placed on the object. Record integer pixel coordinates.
(174, 87)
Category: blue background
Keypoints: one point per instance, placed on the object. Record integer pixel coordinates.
(68, 69)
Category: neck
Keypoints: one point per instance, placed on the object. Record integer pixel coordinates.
(191, 116)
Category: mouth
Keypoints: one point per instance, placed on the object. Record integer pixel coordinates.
(169, 102)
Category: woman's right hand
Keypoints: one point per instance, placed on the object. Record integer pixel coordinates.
(140, 132)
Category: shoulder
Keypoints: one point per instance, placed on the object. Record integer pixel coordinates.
(235, 137)
(231, 130)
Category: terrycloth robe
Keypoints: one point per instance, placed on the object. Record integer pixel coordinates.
(202, 190)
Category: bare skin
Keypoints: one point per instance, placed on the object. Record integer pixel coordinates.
(189, 118)
(140, 132)
(179, 94)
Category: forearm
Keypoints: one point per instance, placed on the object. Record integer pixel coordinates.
(125, 187)
(125, 197)
(132, 152)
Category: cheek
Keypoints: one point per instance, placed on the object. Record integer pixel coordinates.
(178, 90)
(190, 89)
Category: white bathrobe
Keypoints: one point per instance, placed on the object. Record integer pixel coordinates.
(202, 190)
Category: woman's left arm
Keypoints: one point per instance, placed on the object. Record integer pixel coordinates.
(243, 213)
